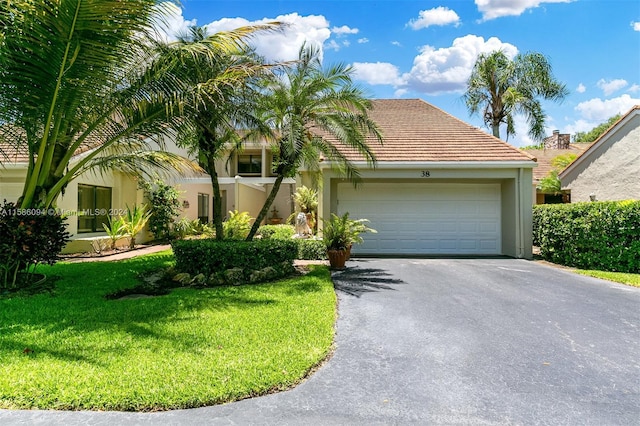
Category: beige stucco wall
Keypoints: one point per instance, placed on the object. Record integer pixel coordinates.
(611, 170)
(516, 195)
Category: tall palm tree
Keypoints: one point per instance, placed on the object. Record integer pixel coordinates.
(221, 105)
(75, 77)
(499, 88)
(314, 111)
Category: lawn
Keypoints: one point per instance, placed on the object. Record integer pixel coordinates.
(619, 277)
(74, 349)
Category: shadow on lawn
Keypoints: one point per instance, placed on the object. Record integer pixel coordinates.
(359, 280)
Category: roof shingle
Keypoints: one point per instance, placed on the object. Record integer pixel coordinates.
(414, 130)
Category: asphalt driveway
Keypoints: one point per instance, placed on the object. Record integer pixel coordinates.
(451, 341)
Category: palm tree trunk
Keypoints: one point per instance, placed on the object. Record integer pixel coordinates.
(496, 129)
(265, 207)
(217, 200)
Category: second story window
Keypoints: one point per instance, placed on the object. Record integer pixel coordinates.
(250, 164)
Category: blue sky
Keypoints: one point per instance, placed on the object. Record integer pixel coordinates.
(426, 49)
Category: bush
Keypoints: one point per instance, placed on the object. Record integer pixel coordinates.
(238, 225)
(28, 237)
(224, 259)
(165, 207)
(311, 249)
(276, 232)
(596, 235)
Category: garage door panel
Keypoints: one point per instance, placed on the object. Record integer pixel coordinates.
(426, 218)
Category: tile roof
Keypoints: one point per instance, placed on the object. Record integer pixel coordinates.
(414, 130)
(545, 156)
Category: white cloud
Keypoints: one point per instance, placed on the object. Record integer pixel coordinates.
(580, 126)
(332, 45)
(598, 110)
(344, 30)
(611, 86)
(377, 73)
(636, 26)
(363, 40)
(437, 16)
(492, 9)
(172, 23)
(396, 43)
(581, 88)
(448, 69)
(633, 89)
(284, 44)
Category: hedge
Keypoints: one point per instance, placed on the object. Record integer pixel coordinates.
(596, 235)
(212, 262)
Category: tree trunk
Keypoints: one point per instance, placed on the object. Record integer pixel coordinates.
(496, 130)
(217, 200)
(265, 208)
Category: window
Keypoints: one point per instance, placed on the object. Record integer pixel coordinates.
(203, 208)
(250, 164)
(94, 204)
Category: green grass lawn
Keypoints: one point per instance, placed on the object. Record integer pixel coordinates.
(191, 348)
(619, 277)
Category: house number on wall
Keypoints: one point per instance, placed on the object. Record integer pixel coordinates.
(426, 173)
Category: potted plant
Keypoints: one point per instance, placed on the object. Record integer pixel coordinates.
(356, 228)
(339, 234)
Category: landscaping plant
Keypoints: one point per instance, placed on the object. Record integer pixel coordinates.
(164, 205)
(237, 226)
(134, 221)
(115, 229)
(28, 237)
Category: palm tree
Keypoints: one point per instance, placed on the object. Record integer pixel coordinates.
(221, 104)
(77, 76)
(314, 111)
(499, 88)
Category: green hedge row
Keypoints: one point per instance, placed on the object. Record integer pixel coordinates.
(210, 257)
(307, 249)
(598, 235)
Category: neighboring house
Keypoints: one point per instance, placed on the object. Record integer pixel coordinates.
(610, 169)
(555, 145)
(440, 187)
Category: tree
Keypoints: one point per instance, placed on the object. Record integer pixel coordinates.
(314, 111)
(221, 105)
(499, 88)
(593, 134)
(550, 184)
(78, 76)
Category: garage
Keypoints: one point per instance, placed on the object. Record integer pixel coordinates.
(439, 187)
(426, 218)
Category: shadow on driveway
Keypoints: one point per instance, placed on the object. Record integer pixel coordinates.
(357, 280)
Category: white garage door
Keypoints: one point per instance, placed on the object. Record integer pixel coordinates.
(415, 218)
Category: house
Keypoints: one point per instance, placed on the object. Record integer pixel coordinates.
(440, 187)
(609, 170)
(552, 147)
(245, 179)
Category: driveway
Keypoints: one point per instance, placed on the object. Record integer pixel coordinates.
(450, 341)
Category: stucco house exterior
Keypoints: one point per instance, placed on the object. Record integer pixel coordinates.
(610, 169)
(440, 187)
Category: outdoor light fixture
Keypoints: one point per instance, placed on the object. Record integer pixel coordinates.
(592, 196)
(185, 204)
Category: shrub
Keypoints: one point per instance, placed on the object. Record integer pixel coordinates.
(27, 238)
(237, 226)
(597, 235)
(213, 258)
(164, 204)
(311, 249)
(277, 232)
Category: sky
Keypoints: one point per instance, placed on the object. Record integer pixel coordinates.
(426, 49)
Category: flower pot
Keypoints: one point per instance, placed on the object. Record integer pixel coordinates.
(349, 252)
(337, 258)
